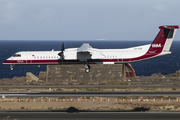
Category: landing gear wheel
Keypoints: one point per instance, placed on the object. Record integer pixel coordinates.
(87, 70)
(86, 66)
(11, 67)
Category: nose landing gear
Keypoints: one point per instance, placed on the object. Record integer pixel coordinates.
(11, 67)
(87, 68)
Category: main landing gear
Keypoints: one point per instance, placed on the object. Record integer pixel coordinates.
(11, 67)
(87, 68)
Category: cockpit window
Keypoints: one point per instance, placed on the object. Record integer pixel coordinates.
(17, 55)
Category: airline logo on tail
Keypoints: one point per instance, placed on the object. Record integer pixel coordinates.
(156, 45)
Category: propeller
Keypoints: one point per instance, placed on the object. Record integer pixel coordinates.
(62, 51)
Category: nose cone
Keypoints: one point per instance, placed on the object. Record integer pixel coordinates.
(6, 62)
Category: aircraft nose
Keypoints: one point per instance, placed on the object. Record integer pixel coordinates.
(6, 62)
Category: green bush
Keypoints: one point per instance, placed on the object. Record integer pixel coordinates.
(171, 75)
(86, 97)
(122, 97)
(64, 97)
(59, 89)
(102, 83)
(124, 83)
(81, 83)
(5, 89)
(122, 88)
(50, 108)
(174, 88)
(176, 84)
(70, 83)
(80, 88)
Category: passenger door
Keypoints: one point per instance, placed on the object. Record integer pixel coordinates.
(28, 58)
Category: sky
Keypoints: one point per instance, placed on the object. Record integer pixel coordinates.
(86, 19)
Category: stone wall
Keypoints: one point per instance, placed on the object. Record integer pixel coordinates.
(31, 77)
(74, 73)
(42, 75)
(178, 73)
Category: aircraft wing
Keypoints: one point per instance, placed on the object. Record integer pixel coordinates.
(85, 48)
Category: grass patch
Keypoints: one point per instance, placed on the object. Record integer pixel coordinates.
(59, 89)
(171, 75)
(176, 84)
(174, 88)
(70, 83)
(81, 83)
(92, 89)
(65, 97)
(122, 97)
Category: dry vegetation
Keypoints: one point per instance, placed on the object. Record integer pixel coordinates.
(87, 89)
(87, 103)
(153, 80)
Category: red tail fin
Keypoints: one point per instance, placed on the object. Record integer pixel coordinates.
(163, 40)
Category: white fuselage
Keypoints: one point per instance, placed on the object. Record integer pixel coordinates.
(94, 56)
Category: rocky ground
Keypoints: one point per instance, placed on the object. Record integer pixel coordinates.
(154, 79)
(51, 89)
(155, 82)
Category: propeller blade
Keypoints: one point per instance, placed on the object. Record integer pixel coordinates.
(62, 47)
(62, 52)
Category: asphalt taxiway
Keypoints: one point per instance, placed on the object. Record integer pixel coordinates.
(85, 93)
(91, 115)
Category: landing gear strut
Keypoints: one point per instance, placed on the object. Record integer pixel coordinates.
(11, 66)
(87, 68)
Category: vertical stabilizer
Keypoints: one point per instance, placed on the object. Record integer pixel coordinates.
(164, 39)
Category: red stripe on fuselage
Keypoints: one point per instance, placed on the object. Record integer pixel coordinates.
(127, 60)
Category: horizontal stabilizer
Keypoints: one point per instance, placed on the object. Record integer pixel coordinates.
(169, 27)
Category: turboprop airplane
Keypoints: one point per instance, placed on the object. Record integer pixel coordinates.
(88, 55)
